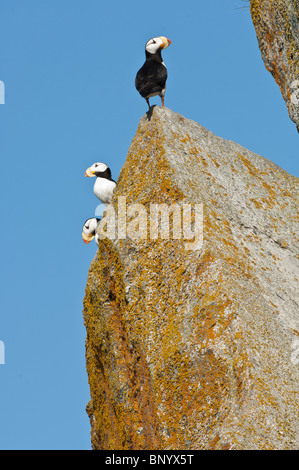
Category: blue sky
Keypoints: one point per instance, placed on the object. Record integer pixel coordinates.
(69, 69)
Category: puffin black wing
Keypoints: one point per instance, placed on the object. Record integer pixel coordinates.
(151, 78)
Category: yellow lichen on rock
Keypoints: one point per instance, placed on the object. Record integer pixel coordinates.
(183, 349)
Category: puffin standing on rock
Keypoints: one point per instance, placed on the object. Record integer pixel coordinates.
(89, 230)
(104, 184)
(151, 78)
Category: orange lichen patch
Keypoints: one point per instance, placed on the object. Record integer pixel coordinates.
(193, 150)
(203, 161)
(249, 166)
(110, 407)
(186, 139)
(270, 189)
(213, 160)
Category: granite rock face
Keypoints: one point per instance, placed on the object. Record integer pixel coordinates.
(277, 28)
(197, 348)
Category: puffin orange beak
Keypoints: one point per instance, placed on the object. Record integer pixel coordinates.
(88, 172)
(165, 42)
(87, 238)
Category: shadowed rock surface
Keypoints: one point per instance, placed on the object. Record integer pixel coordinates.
(195, 349)
(277, 28)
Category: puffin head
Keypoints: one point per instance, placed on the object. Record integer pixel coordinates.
(89, 229)
(157, 44)
(97, 168)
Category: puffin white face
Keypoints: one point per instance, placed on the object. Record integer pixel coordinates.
(95, 168)
(153, 45)
(89, 228)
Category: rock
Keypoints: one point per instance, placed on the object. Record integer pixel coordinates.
(277, 28)
(196, 348)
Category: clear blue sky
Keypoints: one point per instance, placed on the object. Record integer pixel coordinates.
(69, 68)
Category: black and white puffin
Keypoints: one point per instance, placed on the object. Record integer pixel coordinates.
(104, 184)
(151, 78)
(89, 230)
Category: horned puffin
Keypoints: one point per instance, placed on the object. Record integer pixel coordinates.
(104, 184)
(151, 78)
(89, 230)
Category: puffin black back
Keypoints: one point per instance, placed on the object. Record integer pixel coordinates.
(151, 78)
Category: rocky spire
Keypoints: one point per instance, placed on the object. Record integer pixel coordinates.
(195, 347)
(277, 28)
